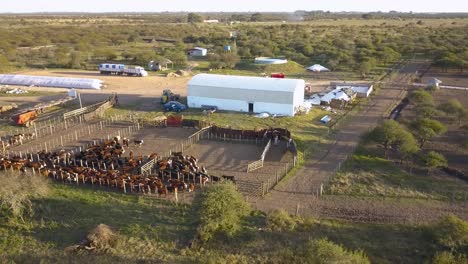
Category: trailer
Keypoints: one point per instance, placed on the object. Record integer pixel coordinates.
(27, 117)
(122, 69)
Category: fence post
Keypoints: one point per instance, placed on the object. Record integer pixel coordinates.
(297, 209)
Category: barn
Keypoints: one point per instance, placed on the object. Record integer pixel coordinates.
(246, 94)
(197, 52)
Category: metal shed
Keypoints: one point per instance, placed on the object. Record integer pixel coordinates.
(246, 94)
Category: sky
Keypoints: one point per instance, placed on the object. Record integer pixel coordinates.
(20, 6)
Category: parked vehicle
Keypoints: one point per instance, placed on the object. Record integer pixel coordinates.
(122, 69)
(174, 106)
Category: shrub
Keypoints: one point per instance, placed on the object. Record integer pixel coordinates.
(221, 208)
(451, 232)
(16, 192)
(101, 237)
(326, 252)
(280, 220)
(449, 258)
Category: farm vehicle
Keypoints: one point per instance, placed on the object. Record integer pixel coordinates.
(122, 69)
(168, 96)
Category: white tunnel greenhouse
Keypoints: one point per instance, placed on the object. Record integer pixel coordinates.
(48, 81)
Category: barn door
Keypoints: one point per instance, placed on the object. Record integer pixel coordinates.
(251, 107)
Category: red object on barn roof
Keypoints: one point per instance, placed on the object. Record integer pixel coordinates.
(277, 75)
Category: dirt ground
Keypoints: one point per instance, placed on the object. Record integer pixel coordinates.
(449, 77)
(158, 140)
(227, 158)
(129, 89)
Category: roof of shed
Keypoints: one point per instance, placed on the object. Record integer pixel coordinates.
(246, 82)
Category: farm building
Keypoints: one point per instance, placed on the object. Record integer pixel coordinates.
(246, 94)
(434, 82)
(338, 98)
(197, 52)
(362, 90)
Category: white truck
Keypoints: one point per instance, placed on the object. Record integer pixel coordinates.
(121, 69)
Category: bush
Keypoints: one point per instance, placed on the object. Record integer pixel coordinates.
(221, 208)
(101, 237)
(451, 232)
(449, 258)
(326, 252)
(280, 220)
(16, 192)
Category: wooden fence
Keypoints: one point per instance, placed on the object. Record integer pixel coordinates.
(74, 136)
(259, 163)
(279, 175)
(190, 141)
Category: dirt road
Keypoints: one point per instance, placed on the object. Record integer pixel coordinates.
(298, 194)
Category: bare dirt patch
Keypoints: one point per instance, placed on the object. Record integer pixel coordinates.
(128, 88)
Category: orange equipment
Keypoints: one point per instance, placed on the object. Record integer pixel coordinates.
(26, 118)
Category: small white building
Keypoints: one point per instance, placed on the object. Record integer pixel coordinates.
(211, 21)
(246, 94)
(362, 90)
(197, 52)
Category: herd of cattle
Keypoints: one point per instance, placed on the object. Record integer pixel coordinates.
(15, 140)
(105, 165)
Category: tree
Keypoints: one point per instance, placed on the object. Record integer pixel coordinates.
(142, 58)
(366, 66)
(17, 191)
(194, 18)
(5, 65)
(221, 208)
(426, 111)
(424, 129)
(224, 60)
(256, 17)
(105, 53)
(421, 97)
(434, 160)
(451, 232)
(390, 134)
(454, 109)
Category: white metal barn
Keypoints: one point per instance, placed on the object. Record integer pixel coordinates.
(246, 94)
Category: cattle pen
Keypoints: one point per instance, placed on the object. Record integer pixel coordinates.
(217, 153)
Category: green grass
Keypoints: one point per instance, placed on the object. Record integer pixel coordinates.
(159, 231)
(368, 175)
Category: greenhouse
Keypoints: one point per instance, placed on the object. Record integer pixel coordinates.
(48, 81)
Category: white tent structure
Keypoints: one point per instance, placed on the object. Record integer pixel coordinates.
(48, 81)
(317, 68)
(246, 94)
(337, 94)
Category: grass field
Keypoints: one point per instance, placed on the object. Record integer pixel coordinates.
(151, 230)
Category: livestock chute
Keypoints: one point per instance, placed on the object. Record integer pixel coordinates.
(48, 81)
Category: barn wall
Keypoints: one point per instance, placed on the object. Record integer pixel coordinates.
(239, 94)
(241, 106)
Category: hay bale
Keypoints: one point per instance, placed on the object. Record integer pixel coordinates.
(101, 237)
